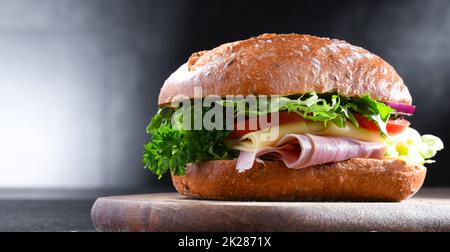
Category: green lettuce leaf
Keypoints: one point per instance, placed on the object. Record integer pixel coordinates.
(412, 147)
(323, 108)
(430, 146)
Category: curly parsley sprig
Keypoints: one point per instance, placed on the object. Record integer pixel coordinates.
(171, 149)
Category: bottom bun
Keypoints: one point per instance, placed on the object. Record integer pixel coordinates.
(357, 179)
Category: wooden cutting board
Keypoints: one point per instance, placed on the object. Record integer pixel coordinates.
(427, 211)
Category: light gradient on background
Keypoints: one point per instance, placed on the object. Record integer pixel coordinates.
(71, 79)
(79, 79)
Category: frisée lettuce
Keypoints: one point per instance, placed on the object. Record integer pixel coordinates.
(413, 148)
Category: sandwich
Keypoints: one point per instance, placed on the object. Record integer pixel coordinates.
(288, 117)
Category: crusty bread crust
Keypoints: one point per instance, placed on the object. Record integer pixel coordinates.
(356, 179)
(286, 64)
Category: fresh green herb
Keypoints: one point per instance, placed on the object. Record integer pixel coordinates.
(170, 149)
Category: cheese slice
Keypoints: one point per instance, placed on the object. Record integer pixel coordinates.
(261, 139)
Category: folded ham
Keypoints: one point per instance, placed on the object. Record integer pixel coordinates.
(300, 151)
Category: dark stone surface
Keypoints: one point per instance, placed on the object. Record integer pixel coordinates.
(45, 215)
(59, 210)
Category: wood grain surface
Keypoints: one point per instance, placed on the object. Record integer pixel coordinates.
(429, 210)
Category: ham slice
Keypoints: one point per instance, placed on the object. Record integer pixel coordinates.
(302, 150)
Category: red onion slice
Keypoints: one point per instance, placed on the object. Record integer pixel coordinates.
(402, 108)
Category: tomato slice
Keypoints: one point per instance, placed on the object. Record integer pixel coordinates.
(284, 117)
(365, 123)
(397, 126)
(393, 126)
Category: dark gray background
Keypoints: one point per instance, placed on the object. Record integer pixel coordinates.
(79, 80)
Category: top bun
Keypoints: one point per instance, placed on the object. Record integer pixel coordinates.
(286, 64)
